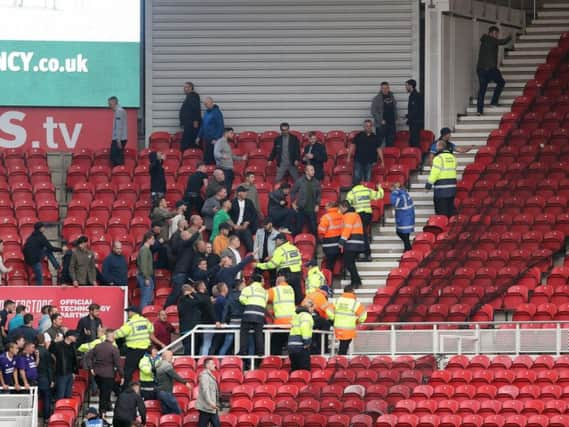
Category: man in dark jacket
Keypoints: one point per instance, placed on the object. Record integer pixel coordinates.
(190, 117)
(196, 183)
(36, 247)
(157, 176)
(228, 271)
(384, 112)
(286, 152)
(305, 197)
(315, 155)
(211, 129)
(89, 325)
(165, 377)
(415, 113)
(82, 268)
(281, 214)
(127, 405)
(115, 267)
(244, 216)
(189, 313)
(65, 364)
(487, 67)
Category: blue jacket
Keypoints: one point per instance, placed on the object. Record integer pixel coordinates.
(212, 125)
(115, 270)
(404, 211)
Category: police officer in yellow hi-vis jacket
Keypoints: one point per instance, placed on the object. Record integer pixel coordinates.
(347, 313)
(443, 180)
(138, 333)
(314, 279)
(360, 197)
(254, 300)
(286, 260)
(300, 337)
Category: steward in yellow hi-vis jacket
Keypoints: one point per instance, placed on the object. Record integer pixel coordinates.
(347, 313)
(254, 300)
(443, 180)
(300, 337)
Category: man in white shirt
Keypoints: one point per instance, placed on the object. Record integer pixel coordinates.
(120, 132)
(244, 216)
(180, 215)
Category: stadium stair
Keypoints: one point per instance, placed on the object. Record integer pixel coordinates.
(518, 67)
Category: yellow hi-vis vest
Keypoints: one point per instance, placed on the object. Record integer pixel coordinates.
(360, 197)
(285, 256)
(88, 346)
(315, 279)
(283, 303)
(346, 313)
(254, 297)
(136, 332)
(300, 332)
(442, 177)
(146, 369)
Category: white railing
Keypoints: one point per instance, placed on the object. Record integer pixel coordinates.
(19, 410)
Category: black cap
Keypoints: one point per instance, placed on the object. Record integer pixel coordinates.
(311, 263)
(180, 203)
(280, 236)
(257, 277)
(133, 308)
(92, 410)
(242, 189)
(71, 333)
(445, 131)
(38, 225)
(81, 239)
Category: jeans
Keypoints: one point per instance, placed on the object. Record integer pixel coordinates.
(45, 394)
(178, 280)
(146, 291)
(206, 419)
(206, 344)
(63, 385)
(37, 268)
(168, 403)
(38, 273)
(131, 361)
(208, 157)
(283, 217)
(259, 338)
(302, 217)
(229, 338)
(362, 172)
(229, 176)
(485, 77)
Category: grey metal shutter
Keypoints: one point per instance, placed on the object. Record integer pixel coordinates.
(314, 63)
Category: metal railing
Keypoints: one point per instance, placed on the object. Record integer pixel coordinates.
(19, 410)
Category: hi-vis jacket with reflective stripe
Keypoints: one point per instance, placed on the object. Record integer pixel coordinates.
(352, 238)
(88, 346)
(300, 334)
(443, 175)
(320, 300)
(254, 298)
(285, 256)
(136, 332)
(404, 210)
(330, 228)
(147, 368)
(360, 197)
(315, 279)
(282, 299)
(346, 313)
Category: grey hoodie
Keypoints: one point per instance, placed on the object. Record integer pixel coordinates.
(166, 375)
(223, 155)
(377, 108)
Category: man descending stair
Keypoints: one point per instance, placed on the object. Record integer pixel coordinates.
(360, 197)
(452, 148)
(404, 214)
(346, 312)
(329, 232)
(351, 241)
(443, 180)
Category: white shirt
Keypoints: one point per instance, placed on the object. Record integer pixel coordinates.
(237, 261)
(174, 224)
(241, 204)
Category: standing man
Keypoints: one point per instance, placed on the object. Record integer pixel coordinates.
(66, 365)
(27, 364)
(366, 150)
(157, 176)
(145, 271)
(446, 134)
(415, 113)
(212, 205)
(254, 301)
(329, 232)
(281, 297)
(315, 154)
(214, 184)
(281, 214)
(9, 308)
(287, 261)
(82, 268)
(127, 405)
(252, 194)
(244, 216)
(300, 337)
(165, 377)
(305, 196)
(314, 279)
(56, 332)
(36, 248)
(120, 132)
(224, 156)
(115, 266)
(286, 152)
(208, 396)
(404, 214)
(190, 117)
(196, 183)
(351, 241)
(138, 333)
(147, 373)
(360, 197)
(384, 112)
(443, 180)
(211, 129)
(89, 325)
(487, 67)
(347, 313)
(104, 363)
(181, 209)
(264, 245)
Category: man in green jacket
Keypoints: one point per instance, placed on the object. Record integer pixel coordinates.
(145, 270)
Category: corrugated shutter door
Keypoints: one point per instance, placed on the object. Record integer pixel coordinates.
(314, 63)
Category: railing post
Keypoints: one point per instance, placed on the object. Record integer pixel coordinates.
(477, 346)
(436, 339)
(267, 341)
(193, 343)
(392, 341)
(558, 339)
(518, 339)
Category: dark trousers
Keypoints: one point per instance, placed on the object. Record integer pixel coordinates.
(362, 171)
(189, 137)
(208, 157)
(366, 222)
(283, 218)
(444, 206)
(206, 419)
(320, 324)
(246, 238)
(306, 217)
(244, 336)
(133, 356)
(300, 360)
(105, 388)
(294, 280)
(45, 394)
(229, 177)
(406, 242)
(63, 386)
(195, 204)
(386, 133)
(121, 423)
(278, 341)
(178, 280)
(117, 153)
(350, 265)
(485, 77)
(415, 128)
(332, 255)
(344, 345)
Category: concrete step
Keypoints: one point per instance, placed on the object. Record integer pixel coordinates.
(535, 61)
(491, 119)
(540, 37)
(547, 29)
(475, 127)
(556, 5)
(530, 44)
(530, 53)
(519, 69)
(504, 101)
(490, 112)
(555, 18)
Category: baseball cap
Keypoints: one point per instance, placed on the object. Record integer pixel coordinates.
(242, 189)
(133, 308)
(445, 131)
(280, 236)
(92, 410)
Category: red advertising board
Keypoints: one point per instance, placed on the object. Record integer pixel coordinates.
(61, 129)
(71, 302)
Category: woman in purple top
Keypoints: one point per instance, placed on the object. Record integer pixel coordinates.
(27, 364)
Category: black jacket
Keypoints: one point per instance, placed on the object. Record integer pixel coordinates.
(190, 110)
(85, 323)
(233, 308)
(275, 198)
(293, 149)
(250, 213)
(189, 312)
(34, 247)
(415, 108)
(65, 358)
(206, 309)
(184, 251)
(488, 53)
(157, 176)
(320, 157)
(227, 275)
(127, 404)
